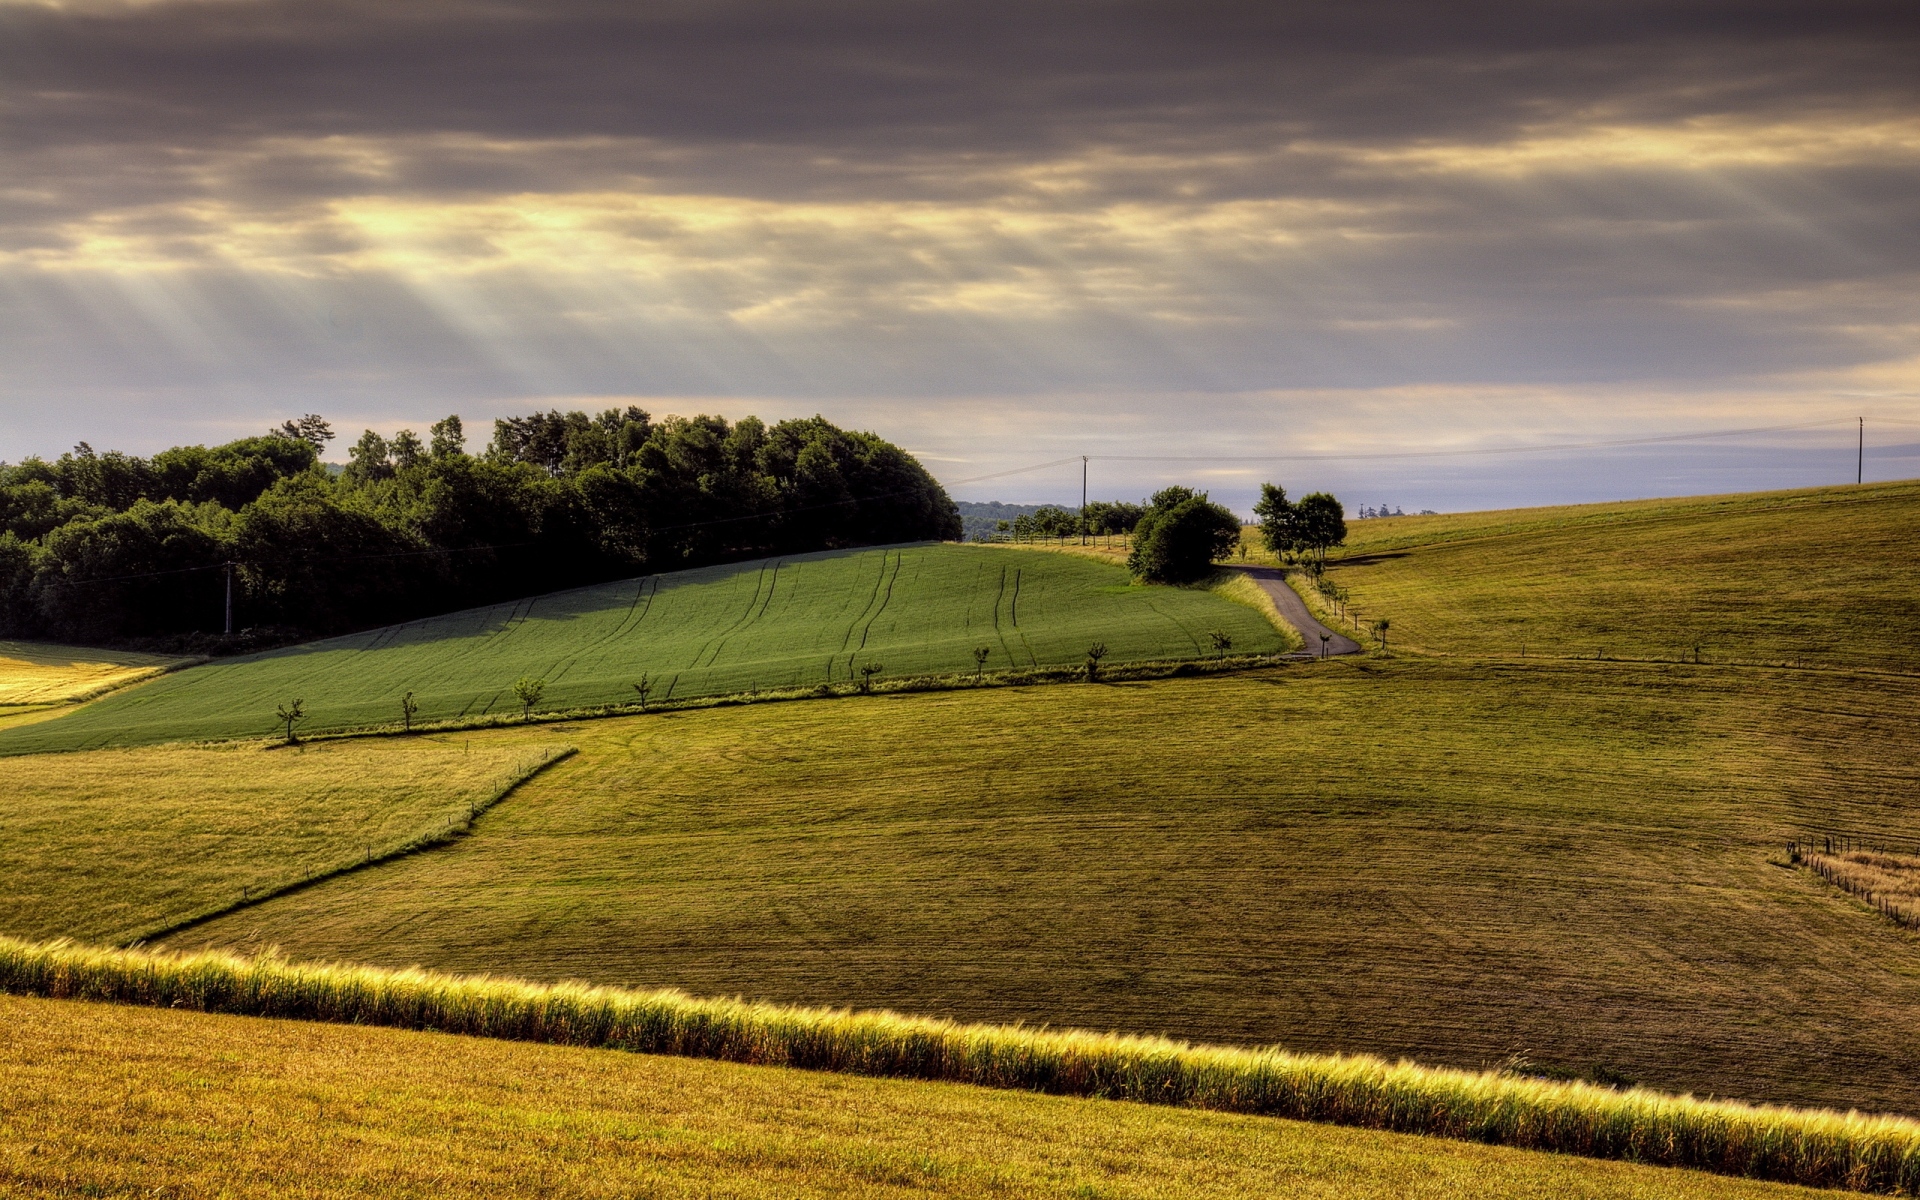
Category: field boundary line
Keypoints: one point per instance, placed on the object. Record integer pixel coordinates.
(412, 845)
(1812, 1147)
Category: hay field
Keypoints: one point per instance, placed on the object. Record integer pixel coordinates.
(37, 674)
(1456, 861)
(770, 624)
(110, 845)
(1822, 576)
(98, 1100)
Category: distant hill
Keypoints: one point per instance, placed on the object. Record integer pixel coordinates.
(978, 518)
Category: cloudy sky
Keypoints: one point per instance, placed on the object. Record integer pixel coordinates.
(997, 233)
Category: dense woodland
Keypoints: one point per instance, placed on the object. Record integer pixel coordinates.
(111, 548)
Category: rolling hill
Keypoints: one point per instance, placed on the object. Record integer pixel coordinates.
(112, 845)
(1571, 862)
(99, 1101)
(1822, 576)
(769, 624)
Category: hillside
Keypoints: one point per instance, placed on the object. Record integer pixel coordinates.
(99, 1101)
(1822, 576)
(1567, 861)
(773, 623)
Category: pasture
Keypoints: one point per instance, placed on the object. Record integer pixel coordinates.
(1571, 863)
(99, 1100)
(766, 625)
(112, 845)
(1823, 577)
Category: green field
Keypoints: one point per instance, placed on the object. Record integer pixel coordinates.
(109, 845)
(104, 1101)
(777, 623)
(1823, 576)
(1458, 862)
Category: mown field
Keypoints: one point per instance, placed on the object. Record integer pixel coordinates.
(762, 625)
(105, 1101)
(111, 845)
(1823, 576)
(1568, 862)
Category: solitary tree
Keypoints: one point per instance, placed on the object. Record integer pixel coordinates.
(407, 709)
(1222, 642)
(643, 687)
(291, 715)
(528, 690)
(1380, 628)
(980, 656)
(1095, 653)
(1322, 523)
(1325, 637)
(1279, 520)
(867, 672)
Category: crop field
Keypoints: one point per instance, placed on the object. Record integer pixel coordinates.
(109, 845)
(38, 674)
(1580, 864)
(1824, 577)
(771, 624)
(99, 1100)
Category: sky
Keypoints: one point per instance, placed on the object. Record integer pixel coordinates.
(1370, 247)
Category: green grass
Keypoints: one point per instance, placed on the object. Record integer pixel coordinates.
(766, 625)
(112, 845)
(1824, 1149)
(103, 1101)
(1456, 861)
(1824, 576)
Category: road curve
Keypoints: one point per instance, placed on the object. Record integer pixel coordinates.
(1273, 581)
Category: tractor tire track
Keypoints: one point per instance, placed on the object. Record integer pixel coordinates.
(864, 633)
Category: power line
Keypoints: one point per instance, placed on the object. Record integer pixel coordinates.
(1546, 448)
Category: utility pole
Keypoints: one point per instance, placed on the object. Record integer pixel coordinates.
(1860, 464)
(229, 598)
(1083, 499)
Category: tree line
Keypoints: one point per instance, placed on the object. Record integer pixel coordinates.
(109, 547)
(1180, 534)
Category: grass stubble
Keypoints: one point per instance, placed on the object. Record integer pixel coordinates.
(119, 845)
(1453, 862)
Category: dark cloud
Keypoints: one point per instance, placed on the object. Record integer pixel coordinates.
(232, 208)
(854, 87)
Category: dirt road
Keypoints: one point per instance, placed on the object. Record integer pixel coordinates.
(1321, 641)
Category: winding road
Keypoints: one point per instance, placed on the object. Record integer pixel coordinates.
(1273, 581)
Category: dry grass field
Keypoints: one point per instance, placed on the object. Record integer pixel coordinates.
(40, 681)
(1572, 862)
(110, 1102)
(106, 845)
(1823, 576)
